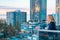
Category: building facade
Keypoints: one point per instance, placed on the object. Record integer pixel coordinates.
(16, 16)
(38, 9)
(56, 18)
(58, 11)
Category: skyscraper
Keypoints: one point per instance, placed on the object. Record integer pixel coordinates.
(58, 10)
(38, 9)
(23, 17)
(16, 16)
(56, 18)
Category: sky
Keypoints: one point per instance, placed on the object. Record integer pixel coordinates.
(24, 5)
(15, 3)
(51, 6)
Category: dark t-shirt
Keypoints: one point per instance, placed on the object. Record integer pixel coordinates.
(51, 26)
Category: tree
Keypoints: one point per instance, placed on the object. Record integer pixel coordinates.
(17, 27)
(30, 21)
(4, 27)
(10, 30)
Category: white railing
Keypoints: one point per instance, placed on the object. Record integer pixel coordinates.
(54, 31)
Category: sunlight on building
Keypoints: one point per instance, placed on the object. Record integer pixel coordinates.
(37, 8)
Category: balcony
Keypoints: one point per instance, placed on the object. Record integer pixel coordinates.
(48, 34)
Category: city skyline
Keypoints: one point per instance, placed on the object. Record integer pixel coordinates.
(23, 4)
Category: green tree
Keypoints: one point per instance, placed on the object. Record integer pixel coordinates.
(17, 27)
(30, 21)
(10, 30)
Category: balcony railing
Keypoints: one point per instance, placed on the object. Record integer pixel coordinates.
(47, 34)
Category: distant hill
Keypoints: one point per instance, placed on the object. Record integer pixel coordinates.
(7, 7)
(2, 14)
